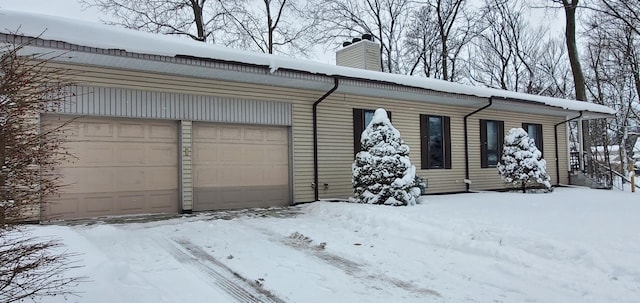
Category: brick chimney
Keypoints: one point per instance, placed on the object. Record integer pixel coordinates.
(360, 53)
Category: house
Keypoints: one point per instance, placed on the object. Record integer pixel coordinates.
(172, 125)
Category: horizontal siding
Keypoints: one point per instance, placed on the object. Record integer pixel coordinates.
(336, 141)
(335, 129)
(353, 56)
(301, 102)
(488, 178)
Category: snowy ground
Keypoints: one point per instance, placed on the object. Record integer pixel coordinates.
(573, 245)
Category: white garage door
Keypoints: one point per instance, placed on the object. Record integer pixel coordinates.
(123, 166)
(240, 166)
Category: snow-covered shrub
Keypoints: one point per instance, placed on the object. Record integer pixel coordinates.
(522, 165)
(382, 171)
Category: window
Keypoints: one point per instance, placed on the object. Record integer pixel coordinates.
(491, 140)
(535, 133)
(435, 142)
(361, 118)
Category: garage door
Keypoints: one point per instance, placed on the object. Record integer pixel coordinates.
(123, 166)
(239, 166)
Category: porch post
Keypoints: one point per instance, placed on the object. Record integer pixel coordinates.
(581, 142)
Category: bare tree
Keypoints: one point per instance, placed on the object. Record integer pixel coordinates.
(30, 268)
(384, 19)
(613, 77)
(625, 11)
(448, 15)
(197, 19)
(262, 25)
(507, 51)
(268, 25)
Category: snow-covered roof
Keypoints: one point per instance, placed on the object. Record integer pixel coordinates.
(108, 37)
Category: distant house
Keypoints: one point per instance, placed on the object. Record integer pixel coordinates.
(172, 125)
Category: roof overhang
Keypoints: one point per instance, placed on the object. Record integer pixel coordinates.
(264, 75)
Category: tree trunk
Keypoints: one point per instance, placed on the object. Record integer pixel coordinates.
(576, 69)
(197, 13)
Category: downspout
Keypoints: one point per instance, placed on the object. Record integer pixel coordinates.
(555, 135)
(466, 142)
(316, 193)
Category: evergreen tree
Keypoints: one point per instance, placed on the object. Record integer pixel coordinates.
(382, 171)
(522, 165)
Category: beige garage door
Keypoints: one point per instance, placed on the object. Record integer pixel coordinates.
(123, 166)
(239, 166)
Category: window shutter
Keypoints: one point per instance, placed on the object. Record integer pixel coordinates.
(483, 144)
(424, 141)
(446, 121)
(358, 121)
(500, 140)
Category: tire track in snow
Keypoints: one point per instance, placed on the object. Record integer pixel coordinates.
(352, 268)
(237, 286)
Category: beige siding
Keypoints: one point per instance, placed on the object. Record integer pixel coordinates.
(488, 178)
(363, 55)
(336, 132)
(302, 106)
(336, 143)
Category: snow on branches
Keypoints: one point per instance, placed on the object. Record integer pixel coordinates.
(382, 171)
(522, 165)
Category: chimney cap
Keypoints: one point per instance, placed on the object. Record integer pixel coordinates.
(367, 37)
(346, 43)
(355, 40)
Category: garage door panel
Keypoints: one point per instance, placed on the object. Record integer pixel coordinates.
(214, 198)
(97, 204)
(161, 178)
(98, 155)
(207, 176)
(131, 154)
(109, 204)
(162, 154)
(206, 153)
(276, 136)
(240, 166)
(131, 130)
(229, 133)
(163, 132)
(123, 166)
(98, 130)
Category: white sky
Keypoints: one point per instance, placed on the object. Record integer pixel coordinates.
(66, 8)
(73, 9)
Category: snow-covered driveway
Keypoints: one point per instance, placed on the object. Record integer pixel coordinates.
(573, 245)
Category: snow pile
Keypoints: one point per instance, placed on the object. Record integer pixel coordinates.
(571, 245)
(522, 165)
(382, 171)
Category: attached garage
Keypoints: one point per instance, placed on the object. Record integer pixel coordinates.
(240, 166)
(121, 167)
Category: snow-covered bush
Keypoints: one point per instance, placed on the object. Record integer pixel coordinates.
(382, 171)
(522, 165)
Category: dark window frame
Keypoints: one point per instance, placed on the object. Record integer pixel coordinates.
(484, 151)
(539, 135)
(359, 126)
(425, 151)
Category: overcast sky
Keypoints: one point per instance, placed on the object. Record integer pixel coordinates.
(72, 9)
(66, 8)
